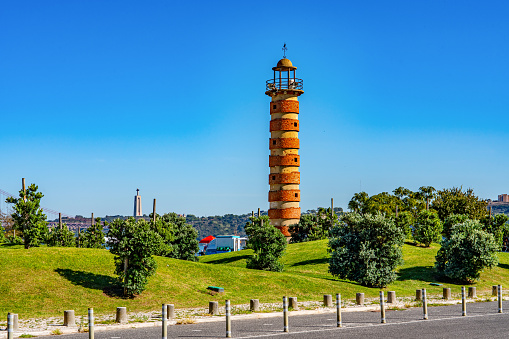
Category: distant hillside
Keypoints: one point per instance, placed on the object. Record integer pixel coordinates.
(227, 224)
(219, 225)
(500, 207)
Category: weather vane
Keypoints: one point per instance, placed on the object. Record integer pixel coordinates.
(284, 50)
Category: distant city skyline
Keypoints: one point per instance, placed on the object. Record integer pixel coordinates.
(100, 98)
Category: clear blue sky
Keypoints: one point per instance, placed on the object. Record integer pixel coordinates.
(98, 98)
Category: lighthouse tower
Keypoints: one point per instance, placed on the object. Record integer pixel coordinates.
(284, 161)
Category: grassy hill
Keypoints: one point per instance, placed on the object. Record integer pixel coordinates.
(45, 281)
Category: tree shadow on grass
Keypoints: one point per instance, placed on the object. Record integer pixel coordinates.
(229, 260)
(101, 282)
(421, 273)
(504, 266)
(311, 262)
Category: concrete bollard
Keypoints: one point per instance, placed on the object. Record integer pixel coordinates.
(228, 319)
(90, 323)
(463, 302)
(285, 316)
(170, 311)
(391, 297)
(418, 295)
(447, 293)
(494, 290)
(69, 319)
(213, 308)
(359, 299)
(339, 322)
(254, 305)
(424, 305)
(499, 292)
(382, 307)
(15, 325)
(121, 315)
(164, 322)
(293, 303)
(472, 293)
(327, 300)
(10, 330)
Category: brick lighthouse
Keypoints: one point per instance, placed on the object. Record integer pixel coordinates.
(284, 161)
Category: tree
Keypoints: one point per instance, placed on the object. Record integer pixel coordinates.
(405, 220)
(467, 252)
(383, 202)
(452, 220)
(61, 237)
(456, 201)
(268, 244)
(133, 243)
(313, 226)
(497, 226)
(28, 216)
(93, 236)
(366, 249)
(179, 237)
(427, 228)
(358, 203)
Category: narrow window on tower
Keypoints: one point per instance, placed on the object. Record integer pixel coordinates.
(273, 177)
(296, 195)
(295, 159)
(294, 124)
(273, 142)
(274, 106)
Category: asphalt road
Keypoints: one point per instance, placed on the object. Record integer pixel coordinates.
(482, 321)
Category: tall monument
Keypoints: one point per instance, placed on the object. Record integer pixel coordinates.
(284, 161)
(137, 204)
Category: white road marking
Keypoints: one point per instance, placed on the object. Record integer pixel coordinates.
(369, 325)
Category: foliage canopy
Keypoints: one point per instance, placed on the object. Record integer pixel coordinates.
(268, 244)
(427, 228)
(28, 216)
(133, 242)
(467, 252)
(366, 249)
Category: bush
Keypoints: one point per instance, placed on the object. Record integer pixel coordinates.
(61, 237)
(427, 228)
(450, 221)
(268, 244)
(468, 251)
(14, 240)
(405, 220)
(366, 249)
(313, 226)
(497, 226)
(183, 242)
(133, 243)
(93, 236)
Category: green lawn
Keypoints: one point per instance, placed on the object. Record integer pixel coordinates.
(46, 281)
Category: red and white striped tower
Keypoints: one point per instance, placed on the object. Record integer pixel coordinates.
(284, 161)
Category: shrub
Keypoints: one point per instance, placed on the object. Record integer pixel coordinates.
(93, 236)
(467, 252)
(268, 244)
(313, 226)
(366, 249)
(452, 220)
(427, 228)
(62, 237)
(497, 226)
(405, 220)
